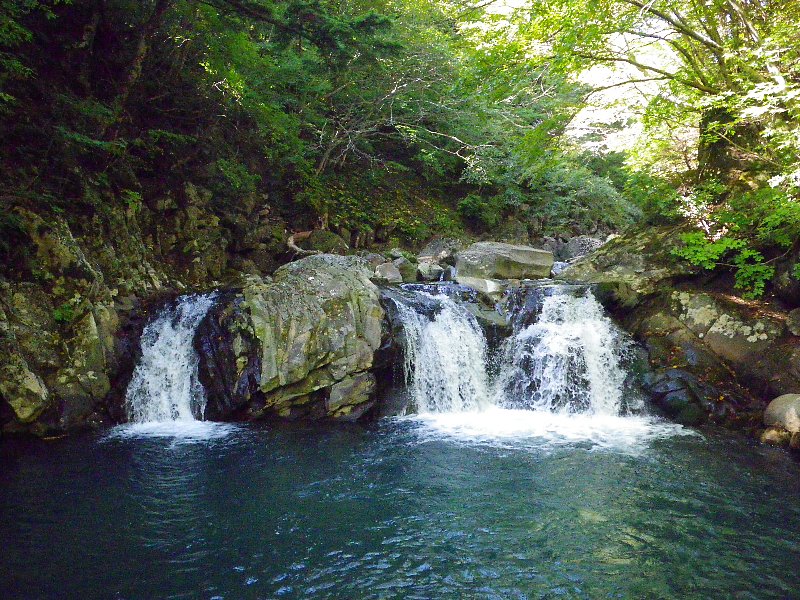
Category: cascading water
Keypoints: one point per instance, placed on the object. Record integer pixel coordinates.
(558, 379)
(165, 386)
(567, 361)
(445, 356)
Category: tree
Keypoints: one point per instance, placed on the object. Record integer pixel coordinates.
(732, 63)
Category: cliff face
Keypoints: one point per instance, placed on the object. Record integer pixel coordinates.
(75, 296)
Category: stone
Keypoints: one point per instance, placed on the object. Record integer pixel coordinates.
(395, 253)
(632, 267)
(373, 259)
(300, 346)
(492, 289)
(388, 273)
(579, 246)
(784, 412)
(326, 242)
(793, 321)
(407, 269)
(350, 398)
(429, 271)
(440, 250)
(496, 260)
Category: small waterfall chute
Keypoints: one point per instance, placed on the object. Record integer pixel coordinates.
(165, 386)
(568, 360)
(444, 354)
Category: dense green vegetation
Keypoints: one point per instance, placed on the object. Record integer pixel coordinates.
(404, 119)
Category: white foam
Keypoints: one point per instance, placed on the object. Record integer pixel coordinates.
(542, 429)
(178, 431)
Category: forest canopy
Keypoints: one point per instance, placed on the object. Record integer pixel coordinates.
(419, 117)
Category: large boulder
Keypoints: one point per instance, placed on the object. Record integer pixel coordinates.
(496, 260)
(301, 345)
(632, 267)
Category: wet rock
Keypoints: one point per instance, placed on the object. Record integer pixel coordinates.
(351, 397)
(491, 289)
(496, 260)
(784, 412)
(388, 273)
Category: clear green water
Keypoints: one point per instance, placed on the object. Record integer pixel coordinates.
(400, 509)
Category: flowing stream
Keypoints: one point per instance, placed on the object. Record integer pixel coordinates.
(530, 469)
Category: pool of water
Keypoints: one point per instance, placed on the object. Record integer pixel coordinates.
(494, 505)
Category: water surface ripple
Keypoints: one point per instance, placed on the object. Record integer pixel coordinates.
(406, 508)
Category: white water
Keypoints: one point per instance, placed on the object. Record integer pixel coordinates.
(559, 380)
(568, 361)
(165, 390)
(445, 358)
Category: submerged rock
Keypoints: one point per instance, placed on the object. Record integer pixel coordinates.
(299, 346)
(496, 260)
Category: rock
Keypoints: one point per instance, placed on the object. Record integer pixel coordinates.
(492, 289)
(23, 389)
(632, 267)
(388, 273)
(794, 442)
(300, 346)
(326, 242)
(579, 246)
(496, 260)
(727, 330)
(351, 397)
(776, 437)
(429, 271)
(373, 259)
(793, 321)
(441, 250)
(784, 412)
(559, 267)
(396, 253)
(407, 269)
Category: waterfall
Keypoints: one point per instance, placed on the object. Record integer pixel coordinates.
(563, 357)
(445, 355)
(568, 360)
(165, 385)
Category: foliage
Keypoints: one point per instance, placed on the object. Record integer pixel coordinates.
(65, 313)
